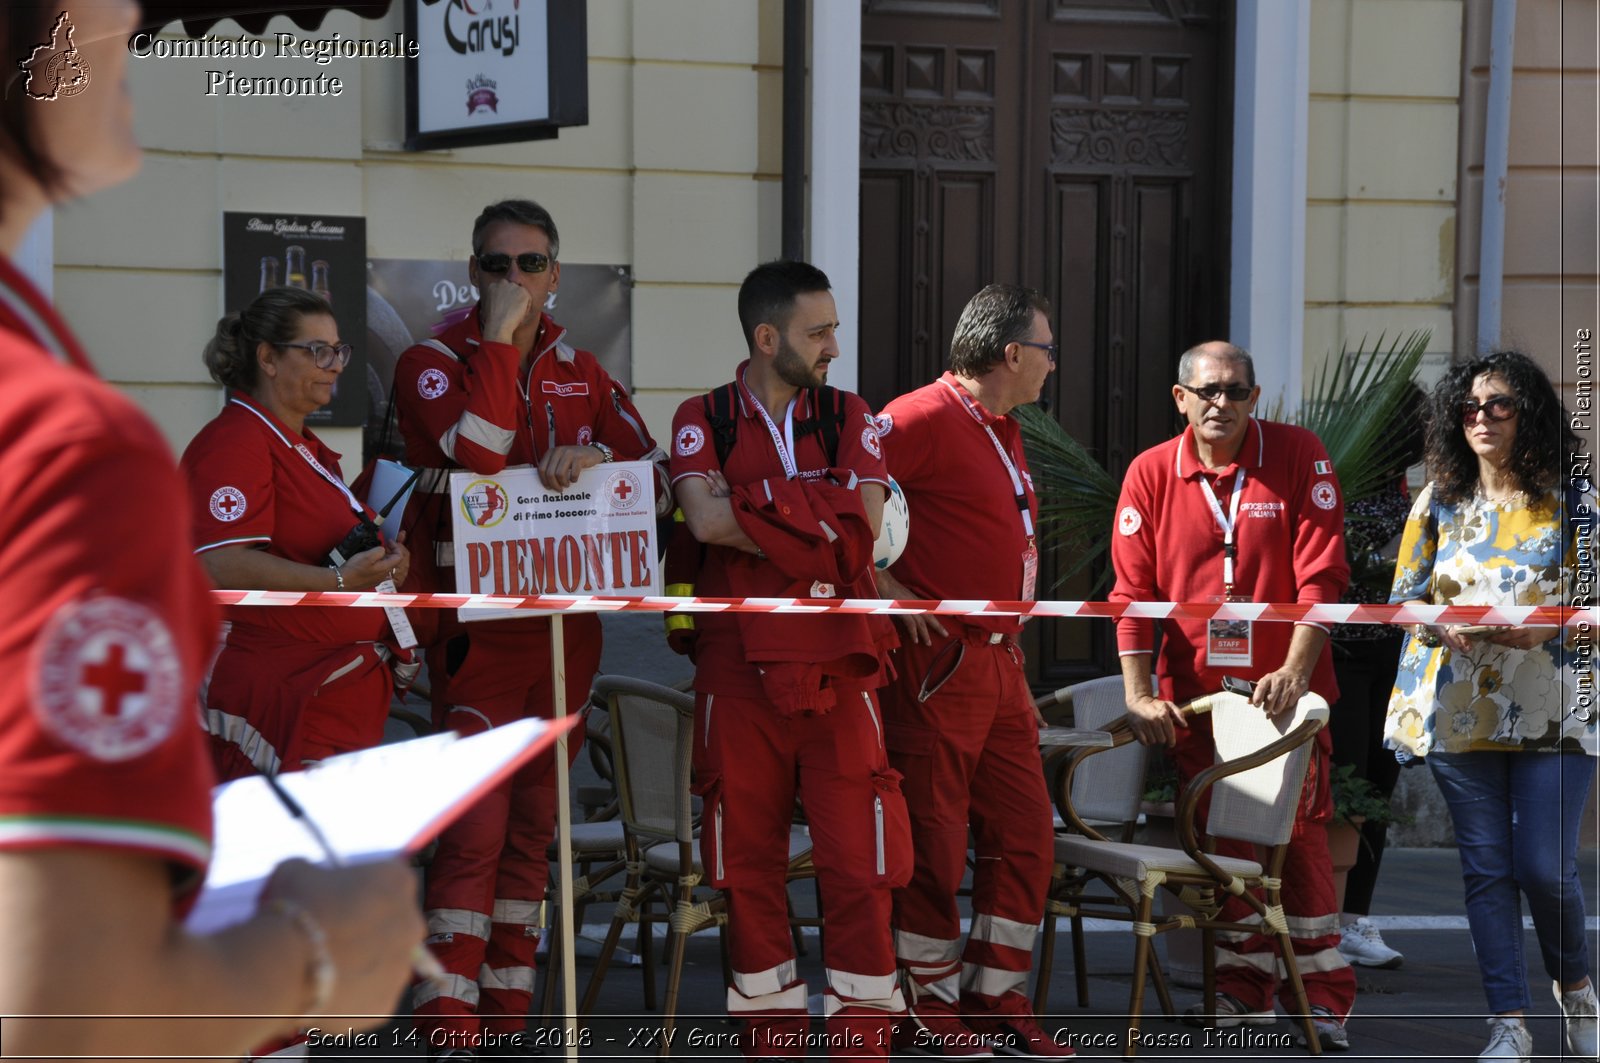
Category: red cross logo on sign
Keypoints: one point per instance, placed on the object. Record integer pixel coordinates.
(107, 679)
(625, 492)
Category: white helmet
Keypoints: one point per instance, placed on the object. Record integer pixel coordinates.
(896, 527)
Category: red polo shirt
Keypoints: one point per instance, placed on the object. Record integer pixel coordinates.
(107, 621)
(250, 484)
(1167, 546)
(721, 665)
(967, 532)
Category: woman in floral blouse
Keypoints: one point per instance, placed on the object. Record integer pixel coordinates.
(1497, 710)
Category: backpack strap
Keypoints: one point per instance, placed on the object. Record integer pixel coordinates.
(719, 410)
(827, 419)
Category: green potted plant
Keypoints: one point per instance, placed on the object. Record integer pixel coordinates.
(1355, 802)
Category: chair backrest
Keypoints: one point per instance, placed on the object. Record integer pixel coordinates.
(1108, 786)
(1258, 804)
(652, 744)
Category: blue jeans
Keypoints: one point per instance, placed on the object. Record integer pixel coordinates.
(1517, 817)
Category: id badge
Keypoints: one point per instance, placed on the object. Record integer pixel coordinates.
(1030, 571)
(399, 623)
(1229, 643)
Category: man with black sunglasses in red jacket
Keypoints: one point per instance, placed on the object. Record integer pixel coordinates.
(500, 387)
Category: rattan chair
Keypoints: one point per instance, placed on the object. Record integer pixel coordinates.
(1106, 791)
(599, 854)
(1254, 792)
(652, 743)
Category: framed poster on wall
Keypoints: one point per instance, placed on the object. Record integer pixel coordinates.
(495, 71)
(322, 252)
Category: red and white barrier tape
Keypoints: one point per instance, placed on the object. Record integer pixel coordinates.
(1507, 615)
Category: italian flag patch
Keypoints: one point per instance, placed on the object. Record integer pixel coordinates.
(1323, 468)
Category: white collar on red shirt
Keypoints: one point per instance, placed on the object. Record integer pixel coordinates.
(278, 428)
(24, 309)
(1187, 464)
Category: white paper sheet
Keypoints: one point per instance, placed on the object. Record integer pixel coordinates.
(370, 805)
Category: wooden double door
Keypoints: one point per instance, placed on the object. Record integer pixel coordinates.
(1081, 147)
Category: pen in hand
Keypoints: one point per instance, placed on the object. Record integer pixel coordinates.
(424, 963)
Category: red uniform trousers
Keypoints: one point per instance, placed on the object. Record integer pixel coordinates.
(749, 762)
(343, 715)
(1247, 964)
(970, 757)
(486, 882)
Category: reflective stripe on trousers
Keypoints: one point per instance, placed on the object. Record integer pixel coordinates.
(777, 988)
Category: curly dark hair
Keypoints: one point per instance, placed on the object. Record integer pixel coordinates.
(1545, 443)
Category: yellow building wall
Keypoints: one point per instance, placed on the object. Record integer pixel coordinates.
(676, 176)
(1550, 279)
(1381, 182)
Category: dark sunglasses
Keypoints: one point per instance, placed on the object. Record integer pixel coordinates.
(1049, 349)
(1236, 393)
(323, 355)
(1499, 408)
(497, 262)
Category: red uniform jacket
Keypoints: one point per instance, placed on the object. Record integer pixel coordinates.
(816, 535)
(461, 406)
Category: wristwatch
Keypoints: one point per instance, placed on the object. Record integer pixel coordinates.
(605, 452)
(1426, 636)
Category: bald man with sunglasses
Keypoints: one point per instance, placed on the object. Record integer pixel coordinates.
(500, 387)
(1240, 509)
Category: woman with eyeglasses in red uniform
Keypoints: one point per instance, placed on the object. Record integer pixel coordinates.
(270, 511)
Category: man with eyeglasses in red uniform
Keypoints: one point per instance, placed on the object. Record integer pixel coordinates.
(500, 387)
(1239, 509)
(959, 717)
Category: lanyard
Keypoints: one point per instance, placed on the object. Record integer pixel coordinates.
(784, 441)
(1005, 459)
(1230, 549)
(305, 452)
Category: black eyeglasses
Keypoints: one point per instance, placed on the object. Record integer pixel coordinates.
(323, 355)
(1499, 408)
(1049, 349)
(497, 262)
(1234, 392)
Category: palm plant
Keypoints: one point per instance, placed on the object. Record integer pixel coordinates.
(1354, 402)
(1076, 495)
(1352, 406)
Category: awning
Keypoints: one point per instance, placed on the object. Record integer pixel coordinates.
(198, 16)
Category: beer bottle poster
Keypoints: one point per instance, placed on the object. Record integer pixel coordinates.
(324, 253)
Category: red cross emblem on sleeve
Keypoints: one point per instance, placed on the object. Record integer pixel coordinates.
(228, 503)
(114, 679)
(106, 678)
